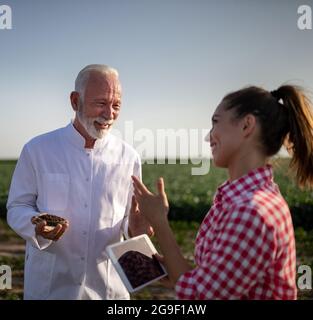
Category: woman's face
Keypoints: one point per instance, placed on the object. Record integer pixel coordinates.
(225, 136)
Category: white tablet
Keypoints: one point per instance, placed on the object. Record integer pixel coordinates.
(134, 261)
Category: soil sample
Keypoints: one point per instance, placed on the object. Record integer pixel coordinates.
(140, 268)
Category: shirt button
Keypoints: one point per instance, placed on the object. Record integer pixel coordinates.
(87, 179)
(82, 258)
(84, 233)
(86, 205)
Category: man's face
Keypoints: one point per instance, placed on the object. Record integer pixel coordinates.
(100, 105)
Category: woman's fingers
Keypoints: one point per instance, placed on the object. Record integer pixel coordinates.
(140, 186)
(134, 207)
(159, 257)
(137, 193)
(166, 282)
(160, 186)
(150, 231)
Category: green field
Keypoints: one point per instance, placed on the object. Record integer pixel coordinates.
(190, 198)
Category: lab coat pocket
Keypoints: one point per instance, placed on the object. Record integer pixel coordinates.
(39, 267)
(56, 191)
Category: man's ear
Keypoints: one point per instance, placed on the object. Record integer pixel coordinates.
(248, 125)
(74, 100)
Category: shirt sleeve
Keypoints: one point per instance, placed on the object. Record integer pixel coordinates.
(21, 205)
(242, 250)
(138, 173)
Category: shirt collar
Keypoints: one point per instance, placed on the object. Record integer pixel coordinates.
(78, 140)
(252, 180)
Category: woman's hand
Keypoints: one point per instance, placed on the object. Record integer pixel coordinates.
(137, 223)
(165, 282)
(154, 207)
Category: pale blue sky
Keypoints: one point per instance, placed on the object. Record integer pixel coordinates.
(176, 58)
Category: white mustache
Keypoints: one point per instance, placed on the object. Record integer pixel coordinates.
(102, 121)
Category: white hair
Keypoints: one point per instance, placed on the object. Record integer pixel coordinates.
(84, 74)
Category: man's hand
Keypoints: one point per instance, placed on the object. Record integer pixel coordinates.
(50, 233)
(137, 224)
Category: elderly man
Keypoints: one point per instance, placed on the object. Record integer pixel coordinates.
(80, 173)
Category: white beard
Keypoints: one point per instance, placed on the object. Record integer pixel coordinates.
(88, 124)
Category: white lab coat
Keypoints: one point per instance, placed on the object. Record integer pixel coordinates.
(92, 189)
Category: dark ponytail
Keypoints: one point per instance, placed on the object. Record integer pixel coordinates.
(285, 117)
(299, 140)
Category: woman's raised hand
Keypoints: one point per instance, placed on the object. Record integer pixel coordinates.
(154, 207)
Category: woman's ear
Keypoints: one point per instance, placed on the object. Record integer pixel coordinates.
(248, 125)
(74, 100)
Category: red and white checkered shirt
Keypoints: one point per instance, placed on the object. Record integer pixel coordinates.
(245, 247)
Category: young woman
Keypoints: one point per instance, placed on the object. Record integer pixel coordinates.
(245, 247)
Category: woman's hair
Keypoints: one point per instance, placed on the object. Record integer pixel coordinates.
(285, 117)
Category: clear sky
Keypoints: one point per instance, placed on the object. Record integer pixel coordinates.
(176, 58)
